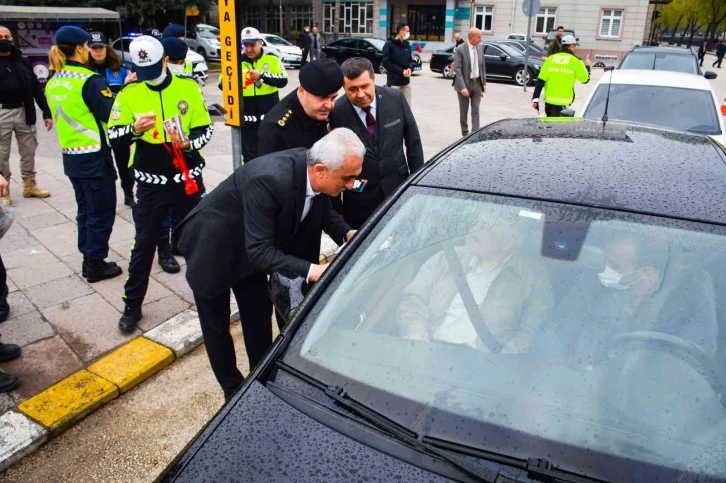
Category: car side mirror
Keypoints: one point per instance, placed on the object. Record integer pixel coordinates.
(504, 57)
(569, 112)
(710, 75)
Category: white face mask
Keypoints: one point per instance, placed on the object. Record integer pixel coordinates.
(158, 80)
(611, 278)
(406, 35)
(176, 69)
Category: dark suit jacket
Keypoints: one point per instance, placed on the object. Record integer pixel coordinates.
(395, 125)
(251, 223)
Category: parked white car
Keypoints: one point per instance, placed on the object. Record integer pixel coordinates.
(121, 47)
(204, 40)
(290, 55)
(673, 100)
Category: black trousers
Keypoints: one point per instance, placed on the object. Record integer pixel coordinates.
(250, 142)
(553, 111)
(122, 155)
(358, 207)
(3, 282)
(152, 207)
(718, 61)
(255, 310)
(96, 201)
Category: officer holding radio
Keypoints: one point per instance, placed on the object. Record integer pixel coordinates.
(166, 116)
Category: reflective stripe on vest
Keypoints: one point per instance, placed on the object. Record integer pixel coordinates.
(77, 127)
(161, 179)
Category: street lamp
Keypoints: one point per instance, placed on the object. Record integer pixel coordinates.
(280, 18)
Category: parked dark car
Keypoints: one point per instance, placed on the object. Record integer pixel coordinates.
(372, 49)
(673, 59)
(400, 366)
(534, 49)
(503, 62)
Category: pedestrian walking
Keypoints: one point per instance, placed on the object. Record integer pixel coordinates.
(470, 80)
(166, 117)
(720, 52)
(556, 44)
(266, 217)
(263, 76)
(303, 41)
(301, 117)
(702, 52)
(369, 111)
(558, 75)
(316, 43)
(398, 62)
(81, 102)
(20, 92)
(104, 62)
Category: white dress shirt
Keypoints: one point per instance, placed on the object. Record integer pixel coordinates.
(362, 113)
(474, 56)
(309, 195)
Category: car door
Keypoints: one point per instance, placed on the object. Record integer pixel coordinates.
(496, 62)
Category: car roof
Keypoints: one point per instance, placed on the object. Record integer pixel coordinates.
(664, 78)
(613, 165)
(669, 50)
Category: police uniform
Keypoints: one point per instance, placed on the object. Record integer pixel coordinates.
(557, 76)
(81, 102)
(160, 184)
(259, 95)
(286, 125)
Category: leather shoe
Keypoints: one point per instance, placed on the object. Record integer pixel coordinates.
(130, 318)
(101, 270)
(8, 382)
(8, 352)
(166, 259)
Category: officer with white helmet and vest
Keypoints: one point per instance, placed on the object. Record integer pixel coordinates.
(166, 117)
(80, 102)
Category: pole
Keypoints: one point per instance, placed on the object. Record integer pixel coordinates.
(526, 48)
(229, 26)
(185, 23)
(280, 18)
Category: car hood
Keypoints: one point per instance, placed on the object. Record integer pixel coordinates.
(289, 49)
(262, 438)
(194, 57)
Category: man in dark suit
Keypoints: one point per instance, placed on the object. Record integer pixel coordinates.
(383, 120)
(265, 218)
(470, 81)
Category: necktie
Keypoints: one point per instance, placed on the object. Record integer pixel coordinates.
(315, 42)
(475, 64)
(370, 121)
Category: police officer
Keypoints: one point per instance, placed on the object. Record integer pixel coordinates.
(81, 104)
(301, 117)
(166, 163)
(263, 75)
(558, 76)
(177, 31)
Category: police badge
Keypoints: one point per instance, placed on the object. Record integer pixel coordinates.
(183, 107)
(265, 67)
(116, 113)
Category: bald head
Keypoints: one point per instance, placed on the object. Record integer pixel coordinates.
(7, 38)
(474, 36)
(457, 36)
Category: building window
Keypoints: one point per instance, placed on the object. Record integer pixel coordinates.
(356, 18)
(328, 9)
(273, 20)
(483, 18)
(610, 23)
(253, 18)
(302, 15)
(545, 20)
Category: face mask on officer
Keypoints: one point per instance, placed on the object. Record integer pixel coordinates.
(611, 278)
(176, 69)
(406, 35)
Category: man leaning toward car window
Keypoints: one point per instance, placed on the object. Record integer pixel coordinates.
(266, 217)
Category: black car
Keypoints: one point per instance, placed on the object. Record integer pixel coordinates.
(503, 62)
(534, 50)
(672, 59)
(343, 49)
(506, 317)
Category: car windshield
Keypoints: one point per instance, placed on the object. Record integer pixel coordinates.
(515, 325)
(275, 40)
(670, 107)
(686, 63)
(209, 33)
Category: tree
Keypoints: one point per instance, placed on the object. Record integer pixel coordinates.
(715, 12)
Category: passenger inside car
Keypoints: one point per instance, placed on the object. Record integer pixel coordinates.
(511, 291)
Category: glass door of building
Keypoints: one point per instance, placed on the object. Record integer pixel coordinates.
(427, 22)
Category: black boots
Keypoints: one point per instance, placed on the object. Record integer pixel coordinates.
(166, 257)
(131, 317)
(98, 270)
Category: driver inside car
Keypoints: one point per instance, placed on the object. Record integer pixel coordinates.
(511, 290)
(641, 288)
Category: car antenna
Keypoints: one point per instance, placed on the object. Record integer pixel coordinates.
(607, 99)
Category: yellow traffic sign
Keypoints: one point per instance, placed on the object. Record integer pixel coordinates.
(230, 62)
(192, 12)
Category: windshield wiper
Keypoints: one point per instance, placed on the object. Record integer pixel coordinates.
(536, 468)
(392, 428)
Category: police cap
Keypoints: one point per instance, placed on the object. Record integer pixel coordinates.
(321, 77)
(173, 30)
(97, 40)
(70, 35)
(175, 48)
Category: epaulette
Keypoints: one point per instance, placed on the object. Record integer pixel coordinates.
(284, 118)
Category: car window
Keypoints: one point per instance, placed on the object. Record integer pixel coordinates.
(122, 44)
(510, 51)
(516, 46)
(365, 45)
(208, 32)
(661, 61)
(275, 40)
(348, 44)
(377, 43)
(531, 323)
(670, 107)
(494, 51)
